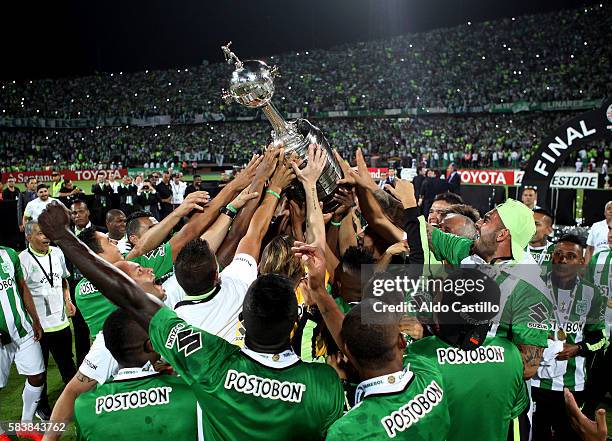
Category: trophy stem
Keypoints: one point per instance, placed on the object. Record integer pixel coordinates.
(278, 123)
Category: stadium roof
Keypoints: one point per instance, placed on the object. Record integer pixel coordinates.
(73, 38)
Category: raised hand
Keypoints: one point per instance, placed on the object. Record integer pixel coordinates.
(246, 176)
(283, 174)
(347, 171)
(55, 221)
(587, 429)
(346, 198)
(317, 158)
(314, 259)
(245, 196)
(268, 163)
(404, 192)
(194, 201)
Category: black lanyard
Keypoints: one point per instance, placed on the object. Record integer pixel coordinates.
(49, 279)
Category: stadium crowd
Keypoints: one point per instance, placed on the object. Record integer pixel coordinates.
(496, 140)
(525, 58)
(261, 301)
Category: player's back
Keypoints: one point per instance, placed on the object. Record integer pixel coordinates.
(249, 400)
(488, 378)
(155, 407)
(409, 406)
(246, 394)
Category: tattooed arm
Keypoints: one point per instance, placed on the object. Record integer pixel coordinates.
(63, 411)
(532, 355)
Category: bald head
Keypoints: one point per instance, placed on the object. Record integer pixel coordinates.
(459, 225)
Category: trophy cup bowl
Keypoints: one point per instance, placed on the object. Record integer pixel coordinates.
(252, 85)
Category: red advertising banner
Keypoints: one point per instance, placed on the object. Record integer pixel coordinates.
(377, 173)
(487, 177)
(75, 175)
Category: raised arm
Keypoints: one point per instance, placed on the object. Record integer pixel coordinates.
(112, 283)
(251, 242)
(155, 235)
(370, 196)
(314, 285)
(200, 221)
(308, 176)
(217, 232)
(265, 169)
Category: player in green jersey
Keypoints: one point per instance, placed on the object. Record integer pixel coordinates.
(20, 332)
(578, 330)
(504, 233)
(394, 399)
(95, 307)
(139, 403)
(238, 386)
(489, 375)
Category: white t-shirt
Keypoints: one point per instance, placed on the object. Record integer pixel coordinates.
(598, 236)
(218, 316)
(219, 313)
(178, 192)
(174, 292)
(36, 206)
(48, 300)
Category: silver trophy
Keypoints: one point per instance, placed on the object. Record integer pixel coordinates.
(252, 85)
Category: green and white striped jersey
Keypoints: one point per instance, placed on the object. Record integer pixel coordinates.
(14, 320)
(577, 311)
(598, 273)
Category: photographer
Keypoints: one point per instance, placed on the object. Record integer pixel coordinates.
(148, 199)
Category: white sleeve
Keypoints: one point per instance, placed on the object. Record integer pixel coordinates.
(591, 238)
(99, 364)
(28, 210)
(243, 269)
(25, 267)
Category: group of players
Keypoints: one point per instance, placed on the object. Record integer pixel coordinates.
(257, 318)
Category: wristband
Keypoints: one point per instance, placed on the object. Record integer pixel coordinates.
(231, 208)
(227, 212)
(336, 224)
(273, 193)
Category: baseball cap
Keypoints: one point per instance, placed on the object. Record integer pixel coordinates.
(518, 218)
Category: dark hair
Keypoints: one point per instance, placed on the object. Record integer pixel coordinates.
(196, 267)
(354, 257)
(120, 332)
(196, 176)
(31, 178)
(370, 337)
(89, 237)
(132, 223)
(465, 210)
(572, 238)
(113, 213)
(270, 309)
(41, 186)
(545, 212)
(451, 198)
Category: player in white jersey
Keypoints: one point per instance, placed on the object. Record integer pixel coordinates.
(20, 331)
(45, 273)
